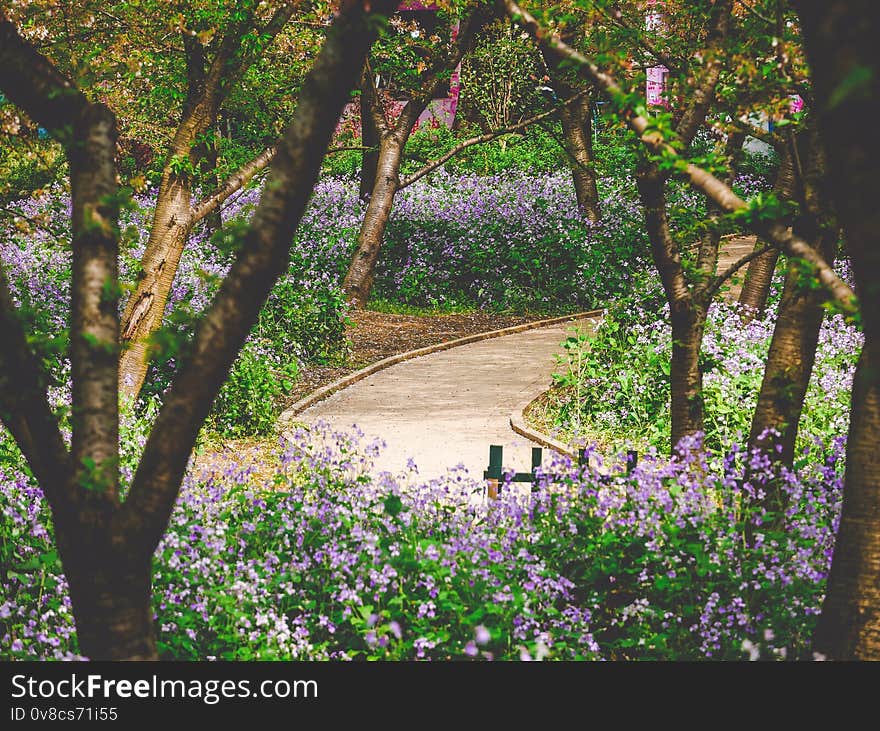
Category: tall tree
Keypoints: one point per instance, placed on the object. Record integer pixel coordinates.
(106, 543)
(393, 135)
(841, 42)
(212, 70)
(688, 300)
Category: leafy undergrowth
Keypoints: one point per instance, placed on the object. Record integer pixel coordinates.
(322, 561)
(613, 385)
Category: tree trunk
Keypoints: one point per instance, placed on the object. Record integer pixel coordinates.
(207, 154)
(369, 158)
(686, 379)
(146, 306)
(358, 281)
(849, 626)
(577, 128)
(759, 275)
(687, 313)
(111, 595)
(799, 319)
(790, 361)
(840, 39)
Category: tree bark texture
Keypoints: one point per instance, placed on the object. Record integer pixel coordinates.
(358, 282)
(370, 139)
(849, 626)
(840, 38)
(792, 350)
(759, 275)
(687, 316)
(688, 320)
(577, 128)
(110, 591)
(790, 360)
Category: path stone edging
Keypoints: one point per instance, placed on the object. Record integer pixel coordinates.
(518, 424)
(326, 391)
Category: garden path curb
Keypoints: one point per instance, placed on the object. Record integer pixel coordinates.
(324, 392)
(519, 425)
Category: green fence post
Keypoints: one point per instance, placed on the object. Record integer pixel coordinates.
(536, 463)
(632, 459)
(493, 473)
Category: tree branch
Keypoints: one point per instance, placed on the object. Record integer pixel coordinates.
(769, 138)
(263, 256)
(773, 232)
(88, 132)
(615, 15)
(370, 97)
(704, 93)
(234, 183)
(94, 315)
(735, 267)
(759, 16)
(432, 83)
(35, 85)
(24, 408)
(434, 164)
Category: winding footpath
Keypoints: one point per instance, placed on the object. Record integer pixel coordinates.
(445, 409)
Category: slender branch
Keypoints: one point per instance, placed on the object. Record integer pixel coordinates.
(263, 256)
(775, 141)
(234, 183)
(242, 177)
(56, 233)
(434, 164)
(615, 15)
(23, 406)
(773, 232)
(763, 18)
(352, 148)
(735, 267)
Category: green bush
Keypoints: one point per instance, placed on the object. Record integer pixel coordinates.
(247, 404)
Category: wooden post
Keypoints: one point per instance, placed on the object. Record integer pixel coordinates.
(493, 473)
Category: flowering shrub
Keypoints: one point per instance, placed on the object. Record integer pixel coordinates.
(509, 242)
(614, 385)
(324, 562)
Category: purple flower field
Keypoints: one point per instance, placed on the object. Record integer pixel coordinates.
(326, 562)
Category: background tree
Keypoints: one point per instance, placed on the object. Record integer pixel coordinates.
(417, 73)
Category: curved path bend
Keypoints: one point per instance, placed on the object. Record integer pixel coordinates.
(445, 409)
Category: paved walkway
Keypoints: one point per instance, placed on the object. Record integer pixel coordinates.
(732, 250)
(448, 407)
